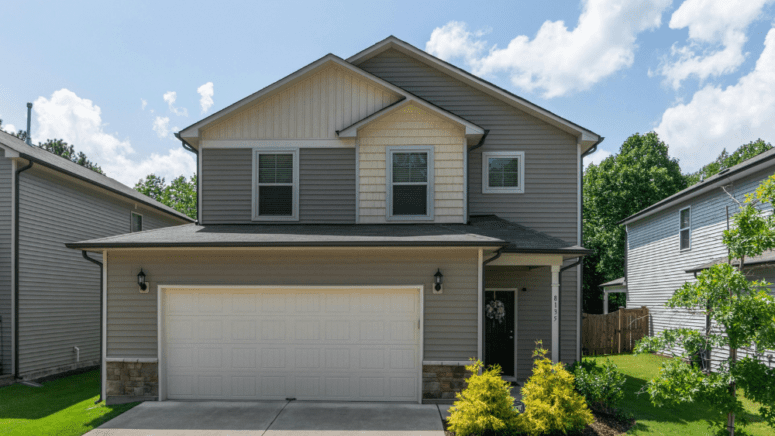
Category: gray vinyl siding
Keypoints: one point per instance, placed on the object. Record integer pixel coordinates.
(58, 289)
(534, 311)
(450, 318)
(326, 185)
(6, 193)
(656, 265)
(550, 201)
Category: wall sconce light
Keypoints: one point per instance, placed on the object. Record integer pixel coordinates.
(438, 279)
(141, 282)
(524, 289)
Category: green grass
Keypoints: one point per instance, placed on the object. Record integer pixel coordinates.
(690, 419)
(63, 407)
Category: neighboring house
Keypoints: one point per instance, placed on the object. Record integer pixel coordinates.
(331, 202)
(49, 295)
(670, 241)
(618, 286)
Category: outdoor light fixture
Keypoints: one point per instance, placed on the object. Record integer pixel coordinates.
(141, 282)
(438, 279)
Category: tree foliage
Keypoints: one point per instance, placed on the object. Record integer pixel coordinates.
(726, 160)
(62, 149)
(180, 194)
(622, 184)
(741, 314)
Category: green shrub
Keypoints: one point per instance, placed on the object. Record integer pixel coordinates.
(485, 406)
(551, 403)
(601, 385)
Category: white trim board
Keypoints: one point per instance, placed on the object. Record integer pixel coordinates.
(430, 182)
(486, 188)
(277, 143)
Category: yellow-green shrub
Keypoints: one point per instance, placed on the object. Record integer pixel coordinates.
(485, 405)
(551, 403)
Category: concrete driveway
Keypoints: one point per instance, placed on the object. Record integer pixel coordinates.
(274, 418)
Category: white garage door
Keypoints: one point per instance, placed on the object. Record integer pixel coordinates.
(343, 344)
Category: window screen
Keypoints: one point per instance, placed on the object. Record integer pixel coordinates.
(685, 228)
(503, 172)
(410, 183)
(275, 184)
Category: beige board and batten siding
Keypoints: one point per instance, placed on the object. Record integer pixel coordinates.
(314, 107)
(59, 291)
(450, 320)
(326, 185)
(412, 125)
(550, 201)
(655, 264)
(6, 218)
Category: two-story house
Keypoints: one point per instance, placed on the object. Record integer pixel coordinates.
(672, 240)
(50, 295)
(367, 226)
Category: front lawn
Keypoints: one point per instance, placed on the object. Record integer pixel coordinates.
(61, 407)
(685, 420)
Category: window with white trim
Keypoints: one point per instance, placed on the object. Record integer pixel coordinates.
(685, 228)
(135, 222)
(276, 185)
(410, 183)
(503, 172)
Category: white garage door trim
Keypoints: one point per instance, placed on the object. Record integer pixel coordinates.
(160, 318)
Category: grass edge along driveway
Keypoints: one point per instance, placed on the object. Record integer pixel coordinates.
(61, 407)
(684, 420)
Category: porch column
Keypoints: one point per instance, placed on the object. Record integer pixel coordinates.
(555, 313)
(605, 302)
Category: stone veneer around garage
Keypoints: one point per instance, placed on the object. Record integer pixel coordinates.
(441, 382)
(132, 381)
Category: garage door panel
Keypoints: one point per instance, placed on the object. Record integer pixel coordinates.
(256, 344)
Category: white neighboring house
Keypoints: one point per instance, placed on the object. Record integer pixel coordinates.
(613, 287)
(670, 241)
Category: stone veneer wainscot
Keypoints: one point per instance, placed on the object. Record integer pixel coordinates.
(132, 381)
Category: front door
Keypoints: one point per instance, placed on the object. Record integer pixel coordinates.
(499, 330)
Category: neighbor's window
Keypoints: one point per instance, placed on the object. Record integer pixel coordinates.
(503, 172)
(685, 218)
(276, 194)
(410, 183)
(136, 222)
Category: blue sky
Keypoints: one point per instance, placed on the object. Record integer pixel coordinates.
(117, 79)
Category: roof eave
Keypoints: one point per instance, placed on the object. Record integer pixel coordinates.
(354, 244)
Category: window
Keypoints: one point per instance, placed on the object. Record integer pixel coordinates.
(410, 183)
(503, 172)
(685, 228)
(276, 187)
(135, 222)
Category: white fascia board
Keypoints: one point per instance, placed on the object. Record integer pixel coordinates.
(588, 138)
(192, 132)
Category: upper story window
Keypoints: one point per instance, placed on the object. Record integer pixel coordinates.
(410, 183)
(135, 222)
(276, 185)
(685, 227)
(503, 172)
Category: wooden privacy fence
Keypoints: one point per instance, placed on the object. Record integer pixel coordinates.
(614, 333)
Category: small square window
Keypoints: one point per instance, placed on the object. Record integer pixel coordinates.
(136, 222)
(503, 172)
(685, 228)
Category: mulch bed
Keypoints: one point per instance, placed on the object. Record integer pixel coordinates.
(604, 425)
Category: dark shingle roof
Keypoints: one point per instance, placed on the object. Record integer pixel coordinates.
(63, 165)
(768, 257)
(482, 232)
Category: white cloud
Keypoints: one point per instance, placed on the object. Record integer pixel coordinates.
(170, 98)
(206, 96)
(10, 128)
(79, 122)
(161, 125)
(716, 118)
(596, 157)
(144, 103)
(558, 61)
(716, 38)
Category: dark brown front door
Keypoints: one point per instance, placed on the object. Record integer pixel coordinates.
(499, 333)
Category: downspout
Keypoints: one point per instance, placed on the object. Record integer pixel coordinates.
(98, 263)
(16, 270)
(190, 148)
(484, 293)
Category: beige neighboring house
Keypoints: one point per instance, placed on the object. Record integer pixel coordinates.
(367, 225)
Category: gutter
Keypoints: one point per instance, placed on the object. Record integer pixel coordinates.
(98, 263)
(189, 147)
(16, 270)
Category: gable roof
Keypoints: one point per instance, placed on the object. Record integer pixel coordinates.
(587, 137)
(763, 260)
(15, 147)
(745, 168)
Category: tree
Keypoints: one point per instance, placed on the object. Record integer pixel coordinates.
(639, 176)
(180, 194)
(21, 134)
(740, 313)
(726, 160)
